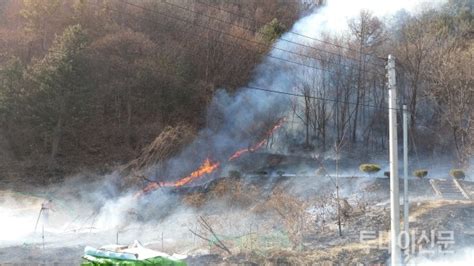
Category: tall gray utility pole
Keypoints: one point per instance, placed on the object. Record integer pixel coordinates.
(406, 205)
(393, 150)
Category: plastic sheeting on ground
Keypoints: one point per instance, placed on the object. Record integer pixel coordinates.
(134, 254)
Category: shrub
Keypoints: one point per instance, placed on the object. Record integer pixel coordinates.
(369, 168)
(457, 173)
(420, 173)
(272, 31)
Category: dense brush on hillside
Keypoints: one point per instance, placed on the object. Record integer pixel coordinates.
(84, 83)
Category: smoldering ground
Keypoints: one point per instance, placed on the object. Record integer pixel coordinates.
(95, 214)
(247, 213)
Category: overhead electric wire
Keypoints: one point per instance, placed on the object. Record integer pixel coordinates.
(271, 90)
(240, 45)
(293, 32)
(225, 33)
(253, 31)
(317, 98)
(238, 37)
(290, 93)
(256, 32)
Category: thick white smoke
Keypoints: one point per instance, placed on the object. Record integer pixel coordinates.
(334, 16)
(233, 118)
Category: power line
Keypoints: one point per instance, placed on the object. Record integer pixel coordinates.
(237, 37)
(317, 98)
(224, 43)
(274, 57)
(225, 33)
(253, 31)
(284, 92)
(256, 32)
(288, 93)
(293, 32)
(263, 89)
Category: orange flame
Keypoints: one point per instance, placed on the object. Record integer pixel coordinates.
(150, 187)
(255, 147)
(260, 144)
(208, 166)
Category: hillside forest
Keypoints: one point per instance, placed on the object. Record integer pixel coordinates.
(87, 84)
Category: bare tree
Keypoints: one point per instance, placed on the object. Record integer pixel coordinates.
(369, 34)
(412, 52)
(452, 89)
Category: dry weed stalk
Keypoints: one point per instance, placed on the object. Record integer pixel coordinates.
(205, 226)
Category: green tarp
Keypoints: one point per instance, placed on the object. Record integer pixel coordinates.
(159, 261)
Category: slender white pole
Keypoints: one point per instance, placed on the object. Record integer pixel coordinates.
(42, 236)
(405, 172)
(393, 150)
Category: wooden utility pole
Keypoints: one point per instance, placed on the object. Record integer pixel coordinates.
(393, 151)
